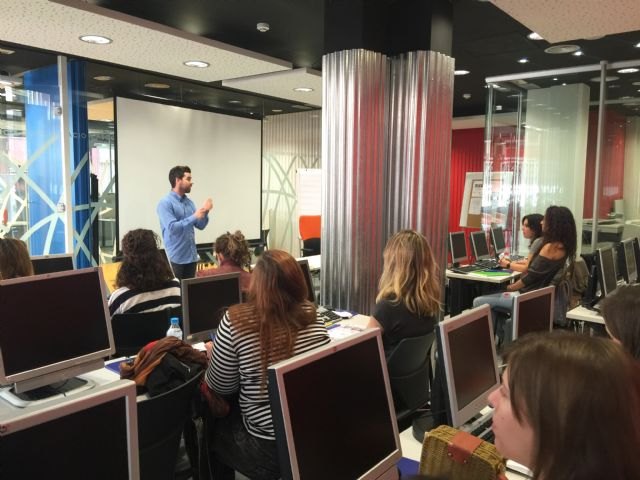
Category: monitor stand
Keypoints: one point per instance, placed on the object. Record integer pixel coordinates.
(46, 393)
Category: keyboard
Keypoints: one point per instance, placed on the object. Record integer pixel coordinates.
(328, 317)
(486, 264)
(467, 269)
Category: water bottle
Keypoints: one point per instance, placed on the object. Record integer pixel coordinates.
(174, 329)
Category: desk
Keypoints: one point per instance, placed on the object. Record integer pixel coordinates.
(590, 317)
(464, 287)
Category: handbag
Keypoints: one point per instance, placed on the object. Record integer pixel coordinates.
(457, 455)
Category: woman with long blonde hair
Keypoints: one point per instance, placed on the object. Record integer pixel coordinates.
(408, 300)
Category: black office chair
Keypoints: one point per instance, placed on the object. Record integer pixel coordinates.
(310, 246)
(132, 331)
(161, 421)
(409, 367)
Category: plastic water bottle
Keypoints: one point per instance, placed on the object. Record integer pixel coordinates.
(174, 328)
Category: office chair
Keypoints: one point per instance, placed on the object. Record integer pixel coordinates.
(309, 228)
(409, 367)
(132, 331)
(161, 421)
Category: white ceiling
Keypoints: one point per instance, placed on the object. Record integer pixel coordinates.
(563, 20)
(56, 26)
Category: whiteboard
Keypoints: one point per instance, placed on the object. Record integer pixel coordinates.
(223, 152)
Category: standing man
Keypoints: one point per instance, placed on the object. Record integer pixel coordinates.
(178, 216)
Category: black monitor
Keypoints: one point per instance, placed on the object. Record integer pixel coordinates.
(342, 425)
(458, 248)
(306, 272)
(94, 435)
(53, 327)
(533, 312)
(636, 251)
(52, 263)
(627, 261)
(479, 245)
(468, 354)
(607, 276)
(204, 302)
(497, 241)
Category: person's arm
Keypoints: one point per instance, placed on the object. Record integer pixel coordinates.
(169, 221)
(202, 214)
(223, 373)
(519, 266)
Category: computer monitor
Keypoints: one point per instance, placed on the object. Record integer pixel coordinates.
(468, 354)
(533, 312)
(627, 261)
(53, 327)
(636, 251)
(92, 435)
(497, 240)
(607, 276)
(306, 272)
(52, 263)
(458, 248)
(343, 427)
(479, 245)
(204, 302)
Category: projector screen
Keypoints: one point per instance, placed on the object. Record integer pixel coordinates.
(223, 151)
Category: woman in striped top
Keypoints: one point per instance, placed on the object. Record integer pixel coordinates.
(276, 323)
(145, 280)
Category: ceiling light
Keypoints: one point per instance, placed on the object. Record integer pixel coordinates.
(564, 84)
(628, 70)
(103, 78)
(579, 53)
(196, 64)
(560, 49)
(638, 45)
(466, 96)
(555, 79)
(608, 78)
(461, 72)
(534, 36)
(263, 27)
(157, 85)
(523, 60)
(235, 102)
(6, 51)
(276, 110)
(96, 39)
(303, 89)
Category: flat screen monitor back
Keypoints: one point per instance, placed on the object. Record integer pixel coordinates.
(636, 251)
(52, 263)
(204, 301)
(607, 276)
(306, 272)
(468, 354)
(497, 240)
(458, 247)
(628, 261)
(344, 427)
(479, 244)
(533, 312)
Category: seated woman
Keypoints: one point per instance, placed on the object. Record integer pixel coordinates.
(569, 408)
(408, 298)
(558, 247)
(14, 259)
(621, 313)
(276, 323)
(232, 251)
(532, 231)
(145, 281)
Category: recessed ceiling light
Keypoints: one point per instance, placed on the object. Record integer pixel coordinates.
(534, 36)
(638, 45)
(157, 85)
(6, 51)
(461, 72)
(466, 96)
(608, 78)
(523, 60)
(555, 79)
(560, 49)
(303, 89)
(196, 64)
(235, 101)
(628, 70)
(579, 53)
(613, 86)
(103, 78)
(276, 110)
(626, 97)
(96, 39)
(564, 84)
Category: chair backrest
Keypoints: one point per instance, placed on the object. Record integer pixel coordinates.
(408, 365)
(132, 331)
(161, 420)
(309, 226)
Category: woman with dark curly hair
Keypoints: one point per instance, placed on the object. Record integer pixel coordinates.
(232, 251)
(559, 243)
(14, 259)
(532, 231)
(145, 281)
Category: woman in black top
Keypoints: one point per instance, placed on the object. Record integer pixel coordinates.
(408, 298)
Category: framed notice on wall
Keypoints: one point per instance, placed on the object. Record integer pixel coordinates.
(471, 211)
